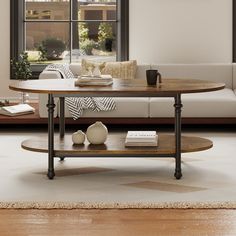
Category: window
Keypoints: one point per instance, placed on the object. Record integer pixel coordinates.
(62, 31)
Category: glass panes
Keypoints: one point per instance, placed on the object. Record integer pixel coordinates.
(47, 42)
(111, 15)
(47, 9)
(50, 41)
(95, 10)
(95, 40)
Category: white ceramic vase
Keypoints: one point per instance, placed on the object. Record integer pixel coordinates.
(78, 137)
(97, 133)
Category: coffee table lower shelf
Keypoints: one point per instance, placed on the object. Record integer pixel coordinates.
(114, 147)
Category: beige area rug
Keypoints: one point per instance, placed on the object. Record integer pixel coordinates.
(209, 179)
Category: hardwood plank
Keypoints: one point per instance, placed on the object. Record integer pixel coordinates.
(117, 222)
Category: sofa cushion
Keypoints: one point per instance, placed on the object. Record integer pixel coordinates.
(124, 69)
(76, 69)
(43, 98)
(89, 66)
(220, 103)
(222, 73)
(125, 107)
(234, 75)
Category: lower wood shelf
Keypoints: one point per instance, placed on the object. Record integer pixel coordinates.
(114, 147)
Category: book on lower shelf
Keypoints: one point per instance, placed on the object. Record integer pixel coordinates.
(141, 138)
(103, 80)
(17, 110)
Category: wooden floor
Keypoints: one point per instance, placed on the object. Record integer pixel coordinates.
(117, 222)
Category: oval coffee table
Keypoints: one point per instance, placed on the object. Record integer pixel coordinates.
(169, 145)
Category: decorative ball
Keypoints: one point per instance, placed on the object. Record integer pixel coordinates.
(97, 133)
(78, 137)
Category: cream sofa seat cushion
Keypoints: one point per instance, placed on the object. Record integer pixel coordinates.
(125, 107)
(220, 103)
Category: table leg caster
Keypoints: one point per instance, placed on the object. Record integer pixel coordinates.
(178, 174)
(51, 174)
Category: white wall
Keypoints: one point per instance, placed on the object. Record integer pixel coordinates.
(5, 49)
(181, 31)
(161, 31)
(5, 53)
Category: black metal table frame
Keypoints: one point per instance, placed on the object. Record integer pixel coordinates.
(51, 155)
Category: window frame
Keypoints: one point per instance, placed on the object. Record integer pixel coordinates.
(234, 31)
(17, 23)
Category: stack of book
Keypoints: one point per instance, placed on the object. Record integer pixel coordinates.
(103, 80)
(141, 138)
(17, 110)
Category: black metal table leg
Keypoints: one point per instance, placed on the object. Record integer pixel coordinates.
(62, 117)
(50, 107)
(178, 106)
(62, 121)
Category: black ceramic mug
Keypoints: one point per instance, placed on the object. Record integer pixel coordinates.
(152, 77)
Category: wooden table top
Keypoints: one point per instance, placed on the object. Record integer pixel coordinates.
(136, 87)
(115, 145)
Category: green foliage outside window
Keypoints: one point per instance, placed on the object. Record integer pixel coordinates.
(105, 34)
(21, 67)
(51, 49)
(88, 45)
(83, 32)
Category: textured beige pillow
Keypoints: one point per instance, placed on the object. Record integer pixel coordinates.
(86, 66)
(123, 70)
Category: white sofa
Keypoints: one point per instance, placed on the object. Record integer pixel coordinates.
(218, 104)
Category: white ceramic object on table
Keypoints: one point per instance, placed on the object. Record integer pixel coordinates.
(97, 133)
(78, 137)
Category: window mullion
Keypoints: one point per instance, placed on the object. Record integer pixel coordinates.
(71, 30)
(20, 23)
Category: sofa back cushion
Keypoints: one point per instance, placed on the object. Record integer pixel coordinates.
(234, 75)
(123, 70)
(76, 69)
(213, 72)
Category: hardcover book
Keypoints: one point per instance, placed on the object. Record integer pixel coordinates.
(141, 138)
(103, 80)
(17, 110)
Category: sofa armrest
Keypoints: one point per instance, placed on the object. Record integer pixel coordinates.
(50, 75)
(43, 98)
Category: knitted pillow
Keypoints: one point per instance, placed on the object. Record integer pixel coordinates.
(123, 70)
